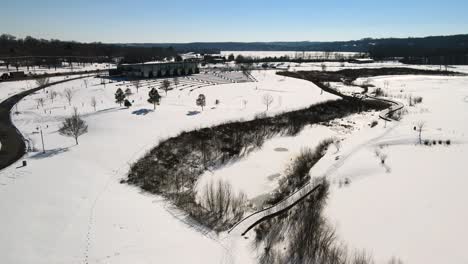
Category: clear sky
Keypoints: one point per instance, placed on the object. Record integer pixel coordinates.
(230, 20)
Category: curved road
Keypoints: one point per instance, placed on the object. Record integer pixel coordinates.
(13, 146)
(249, 222)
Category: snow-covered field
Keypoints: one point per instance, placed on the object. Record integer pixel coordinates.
(67, 205)
(8, 89)
(414, 207)
(413, 204)
(336, 66)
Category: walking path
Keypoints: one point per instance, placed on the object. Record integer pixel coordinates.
(13, 145)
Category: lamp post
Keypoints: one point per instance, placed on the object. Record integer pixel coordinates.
(42, 138)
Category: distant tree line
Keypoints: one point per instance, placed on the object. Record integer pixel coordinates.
(326, 56)
(31, 51)
(449, 50)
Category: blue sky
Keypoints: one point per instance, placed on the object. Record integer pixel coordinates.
(226, 20)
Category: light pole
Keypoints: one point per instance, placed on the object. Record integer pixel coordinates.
(42, 138)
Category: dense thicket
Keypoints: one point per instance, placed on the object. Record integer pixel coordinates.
(172, 168)
(319, 78)
(14, 48)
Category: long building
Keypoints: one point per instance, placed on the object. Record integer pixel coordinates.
(156, 69)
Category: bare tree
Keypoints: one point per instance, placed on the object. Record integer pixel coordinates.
(267, 100)
(42, 81)
(93, 103)
(73, 126)
(40, 102)
(221, 201)
(176, 81)
(128, 92)
(165, 85)
(419, 127)
(68, 93)
(201, 101)
(137, 84)
(244, 103)
(53, 95)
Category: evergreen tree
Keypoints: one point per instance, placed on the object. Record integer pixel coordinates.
(154, 97)
(119, 96)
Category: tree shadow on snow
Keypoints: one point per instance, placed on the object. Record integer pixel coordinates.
(49, 153)
(142, 111)
(192, 113)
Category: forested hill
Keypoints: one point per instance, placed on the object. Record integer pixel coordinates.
(12, 48)
(434, 49)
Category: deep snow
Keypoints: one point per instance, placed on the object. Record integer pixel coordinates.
(67, 206)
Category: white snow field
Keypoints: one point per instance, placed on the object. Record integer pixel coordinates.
(414, 207)
(67, 205)
(8, 89)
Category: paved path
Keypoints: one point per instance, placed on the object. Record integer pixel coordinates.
(13, 144)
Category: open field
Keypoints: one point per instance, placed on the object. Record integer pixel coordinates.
(72, 192)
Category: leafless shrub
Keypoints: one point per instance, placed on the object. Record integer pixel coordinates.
(395, 260)
(128, 92)
(267, 100)
(165, 85)
(417, 100)
(53, 95)
(420, 127)
(42, 81)
(324, 67)
(68, 93)
(137, 84)
(221, 202)
(40, 102)
(379, 92)
(362, 257)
